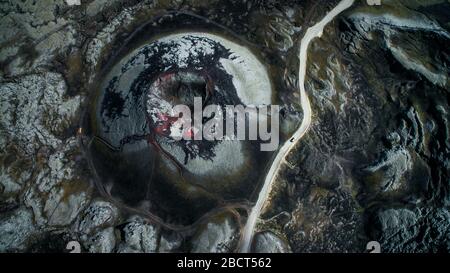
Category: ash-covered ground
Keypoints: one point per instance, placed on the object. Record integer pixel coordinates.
(374, 164)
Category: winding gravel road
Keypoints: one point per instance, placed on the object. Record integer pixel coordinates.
(311, 33)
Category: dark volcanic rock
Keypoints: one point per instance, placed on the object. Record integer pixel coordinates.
(374, 164)
(379, 84)
(412, 230)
